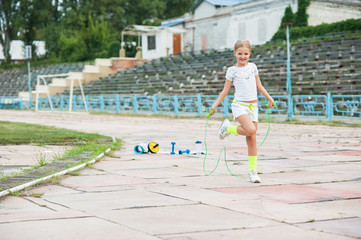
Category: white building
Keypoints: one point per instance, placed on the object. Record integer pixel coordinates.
(17, 51)
(162, 41)
(215, 24)
(218, 24)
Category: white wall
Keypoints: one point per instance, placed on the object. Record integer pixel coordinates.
(328, 12)
(154, 53)
(257, 21)
(204, 10)
(209, 23)
(163, 40)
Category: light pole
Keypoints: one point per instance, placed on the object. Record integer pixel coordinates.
(28, 57)
(289, 83)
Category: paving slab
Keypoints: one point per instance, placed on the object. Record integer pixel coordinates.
(115, 200)
(90, 228)
(354, 186)
(353, 169)
(188, 218)
(293, 193)
(309, 190)
(335, 157)
(290, 213)
(294, 163)
(304, 176)
(283, 232)
(348, 227)
(217, 181)
(12, 210)
(102, 181)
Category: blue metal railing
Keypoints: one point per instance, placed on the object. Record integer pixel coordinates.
(298, 106)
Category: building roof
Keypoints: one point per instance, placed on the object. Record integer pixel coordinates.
(221, 3)
(169, 24)
(134, 29)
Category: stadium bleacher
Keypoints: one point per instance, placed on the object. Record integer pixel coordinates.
(14, 81)
(321, 65)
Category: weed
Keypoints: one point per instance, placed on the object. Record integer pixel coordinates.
(41, 158)
(14, 194)
(36, 195)
(56, 180)
(73, 173)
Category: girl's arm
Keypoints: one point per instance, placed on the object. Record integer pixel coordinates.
(264, 91)
(222, 95)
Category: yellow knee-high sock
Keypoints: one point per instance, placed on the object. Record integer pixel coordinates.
(232, 129)
(252, 161)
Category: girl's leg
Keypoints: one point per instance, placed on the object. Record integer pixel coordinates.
(249, 128)
(252, 143)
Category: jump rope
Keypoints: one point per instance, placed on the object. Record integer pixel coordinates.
(224, 147)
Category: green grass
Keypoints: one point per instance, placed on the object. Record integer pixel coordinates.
(13, 133)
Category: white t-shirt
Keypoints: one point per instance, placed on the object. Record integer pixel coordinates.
(244, 81)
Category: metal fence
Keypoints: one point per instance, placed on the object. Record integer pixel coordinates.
(303, 106)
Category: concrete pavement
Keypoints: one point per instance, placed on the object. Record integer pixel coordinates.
(310, 188)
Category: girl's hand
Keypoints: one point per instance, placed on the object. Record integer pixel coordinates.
(212, 111)
(270, 103)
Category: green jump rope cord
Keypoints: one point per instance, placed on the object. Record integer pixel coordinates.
(224, 148)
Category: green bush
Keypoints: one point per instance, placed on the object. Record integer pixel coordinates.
(289, 16)
(319, 30)
(301, 18)
(113, 49)
(89, 42)
(73, 48)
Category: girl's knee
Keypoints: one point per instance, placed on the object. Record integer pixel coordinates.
(251, 131)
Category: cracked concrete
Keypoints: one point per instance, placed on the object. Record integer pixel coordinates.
(310, 185)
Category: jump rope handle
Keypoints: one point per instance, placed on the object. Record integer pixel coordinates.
(274, 104)
(209, 114)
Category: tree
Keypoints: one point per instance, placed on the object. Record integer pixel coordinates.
(176, 8)
(88, 24)
(8, 25)
(301, 18)
(89, 42)
(50, 27)
(139, 10)
(289, 16)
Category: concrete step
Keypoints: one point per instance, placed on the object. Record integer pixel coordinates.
(59, 82)
(91, 69)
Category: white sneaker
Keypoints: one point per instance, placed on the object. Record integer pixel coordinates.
(222, 129)
(253, 176)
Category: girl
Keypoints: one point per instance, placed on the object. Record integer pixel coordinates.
(244, 76)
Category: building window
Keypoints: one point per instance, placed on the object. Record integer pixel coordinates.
(151, 42)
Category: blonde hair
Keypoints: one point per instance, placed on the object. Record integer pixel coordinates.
(242, 43)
